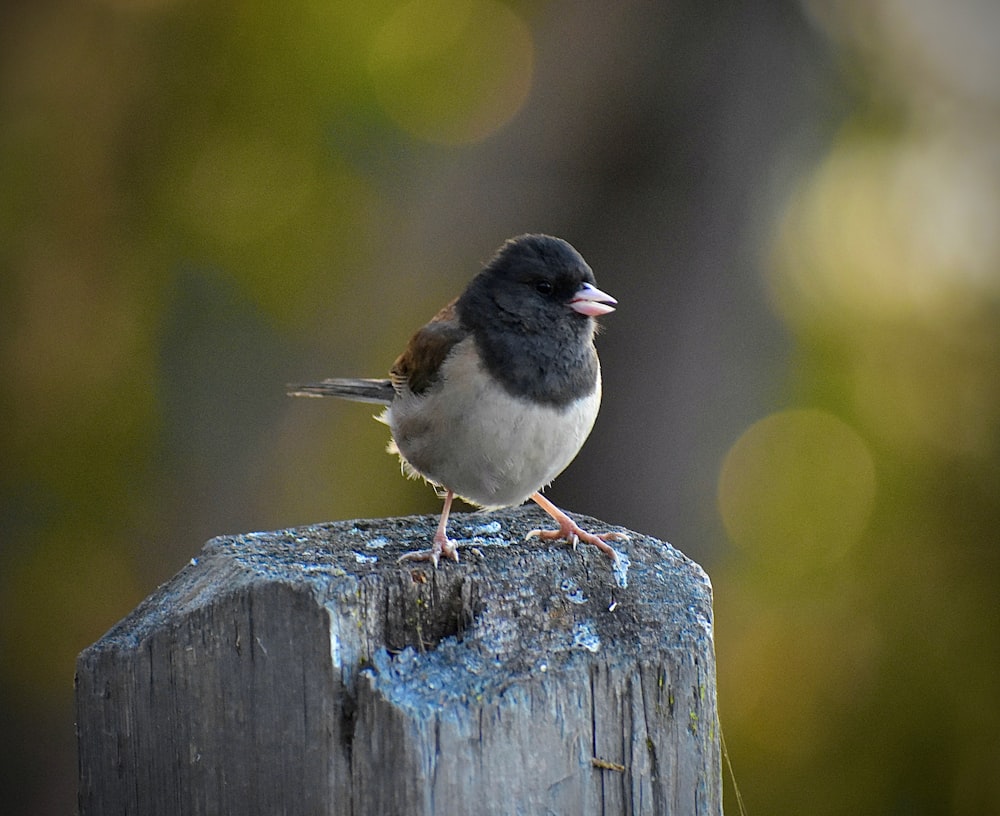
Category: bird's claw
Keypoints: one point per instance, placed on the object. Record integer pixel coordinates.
(447, 548)
(573, 534)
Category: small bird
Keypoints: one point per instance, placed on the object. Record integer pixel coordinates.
(495, 396)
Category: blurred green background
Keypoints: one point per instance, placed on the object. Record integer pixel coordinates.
(796, 203)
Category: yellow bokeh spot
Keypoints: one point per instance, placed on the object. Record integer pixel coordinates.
(452, 71)
(798, 484)
(891, 249)
(884, 232)
(244, 187)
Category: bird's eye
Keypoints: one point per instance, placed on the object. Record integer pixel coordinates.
(543, 287)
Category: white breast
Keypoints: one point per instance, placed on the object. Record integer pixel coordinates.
(472, 437)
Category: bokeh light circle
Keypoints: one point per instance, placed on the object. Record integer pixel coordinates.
(452, 71)
(797, 484)
(888, 231)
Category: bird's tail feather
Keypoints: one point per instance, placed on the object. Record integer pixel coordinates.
(379, 392)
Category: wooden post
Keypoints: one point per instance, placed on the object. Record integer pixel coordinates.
(305, 672)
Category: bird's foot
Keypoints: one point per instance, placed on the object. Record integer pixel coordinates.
(573, 533)
(442, 545)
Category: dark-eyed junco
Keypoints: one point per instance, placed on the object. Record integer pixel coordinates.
(494, 397)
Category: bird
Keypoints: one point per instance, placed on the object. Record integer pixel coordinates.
(495, 396)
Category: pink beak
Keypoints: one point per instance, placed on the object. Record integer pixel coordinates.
(591, 301)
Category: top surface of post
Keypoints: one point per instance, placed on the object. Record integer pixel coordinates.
(504, 587)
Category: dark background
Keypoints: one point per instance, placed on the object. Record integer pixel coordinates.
(795, 203)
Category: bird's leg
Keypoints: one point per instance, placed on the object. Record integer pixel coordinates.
(441, 545)
(570, 531)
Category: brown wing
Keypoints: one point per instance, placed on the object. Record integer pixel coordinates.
(419, 366)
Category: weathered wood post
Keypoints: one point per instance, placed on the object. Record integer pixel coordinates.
(306, 672)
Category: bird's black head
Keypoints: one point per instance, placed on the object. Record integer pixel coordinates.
(536, 284)
(531, 310)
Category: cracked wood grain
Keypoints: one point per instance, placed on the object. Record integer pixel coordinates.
(304, 671)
